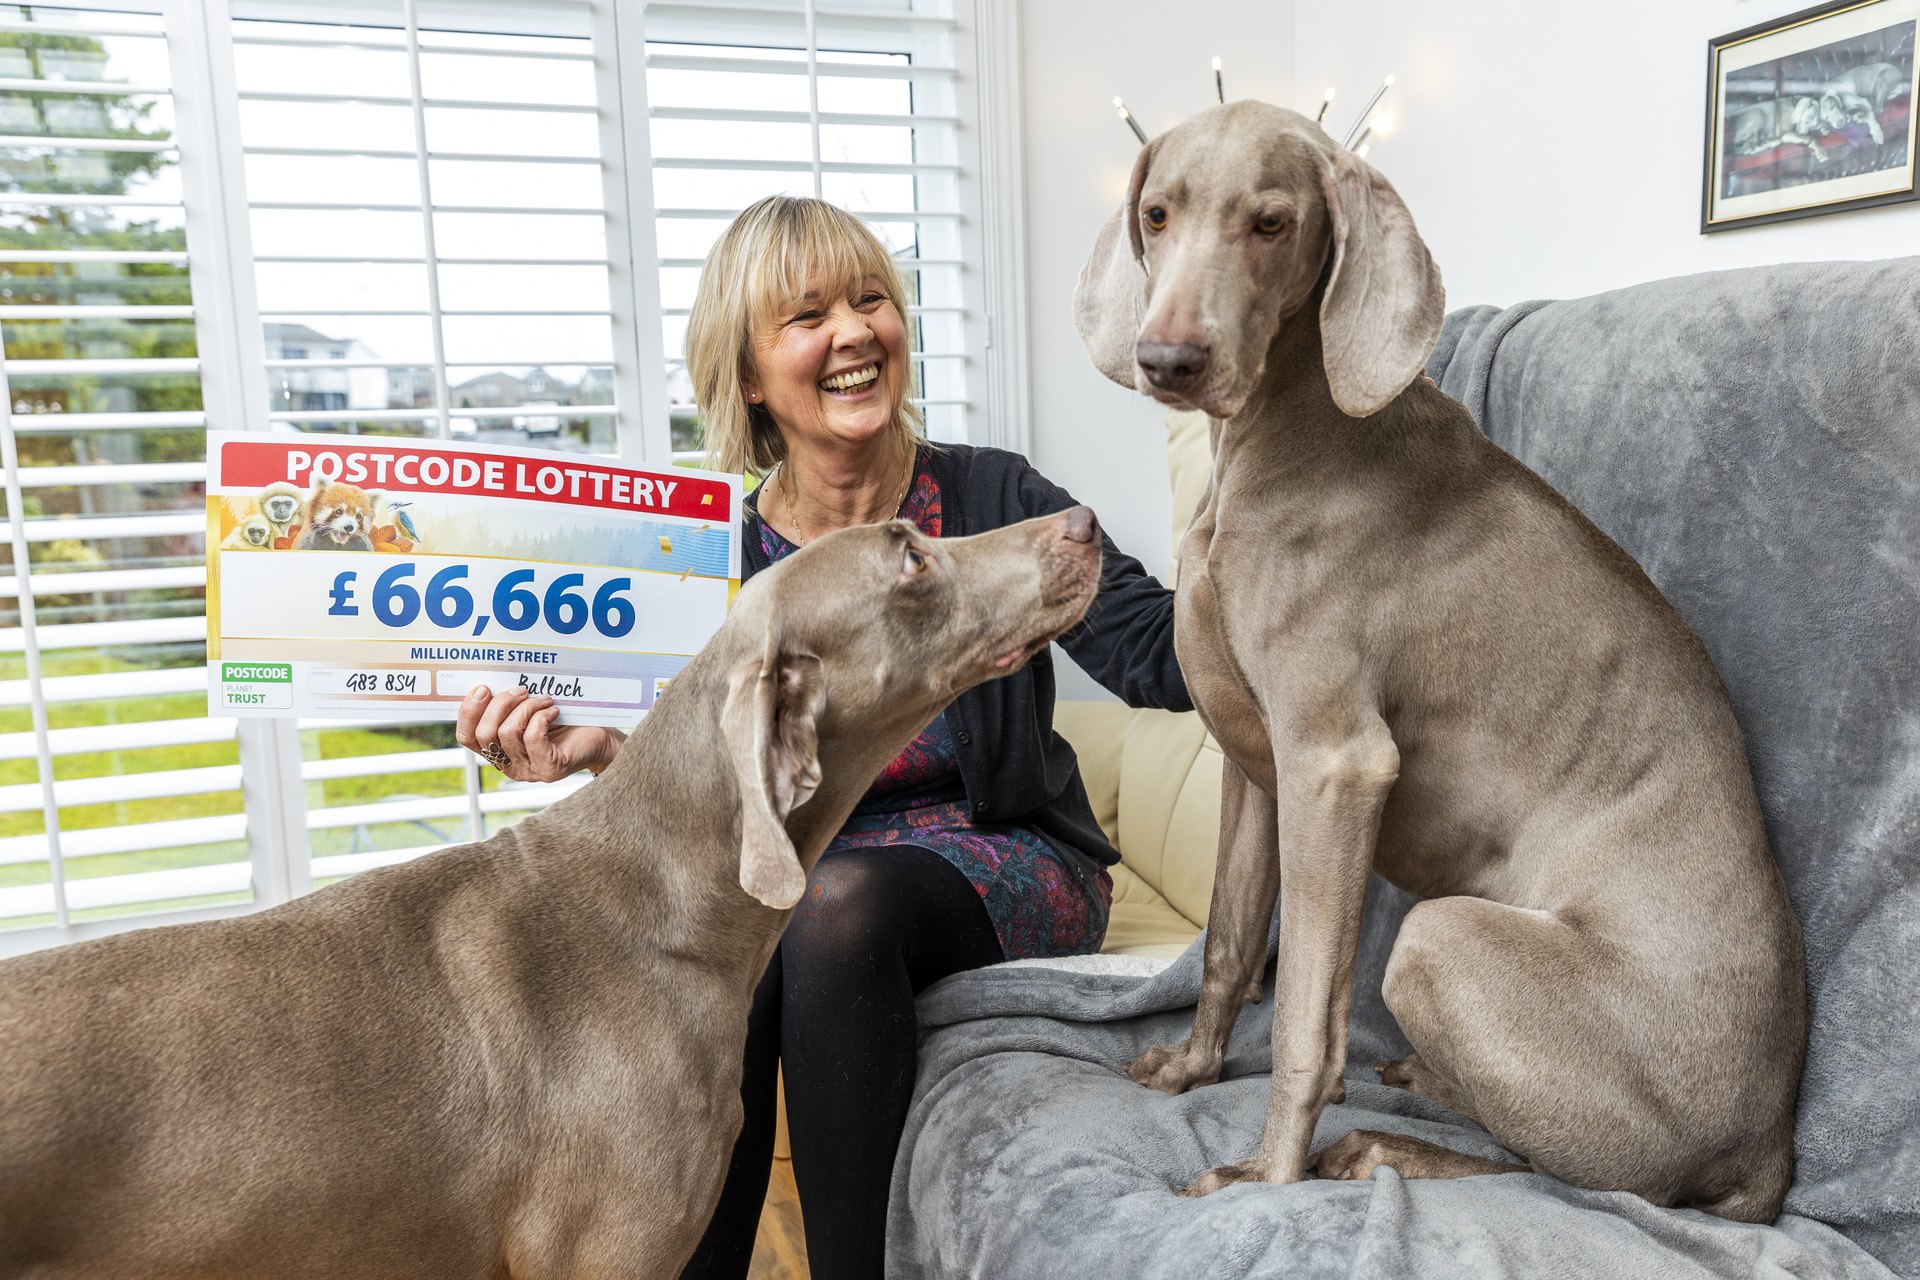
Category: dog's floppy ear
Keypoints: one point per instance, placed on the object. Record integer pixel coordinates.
(1381, 313)
(1110, 302)
(771, 724)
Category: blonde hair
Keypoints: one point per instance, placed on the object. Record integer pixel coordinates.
(760, 263)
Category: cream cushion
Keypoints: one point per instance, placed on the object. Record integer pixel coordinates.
(1154, 776)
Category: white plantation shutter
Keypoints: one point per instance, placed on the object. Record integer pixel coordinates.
(864, 104)
(426, 187)
(471, 218)
(117, 793)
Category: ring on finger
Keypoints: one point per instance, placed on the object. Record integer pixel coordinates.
(496, 755)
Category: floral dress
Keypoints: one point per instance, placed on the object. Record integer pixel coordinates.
(1039, 902)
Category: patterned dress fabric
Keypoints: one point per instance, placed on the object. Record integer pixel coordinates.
(1042, 901)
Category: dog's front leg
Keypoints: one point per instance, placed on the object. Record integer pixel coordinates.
(1331, 799)
(1246, 879)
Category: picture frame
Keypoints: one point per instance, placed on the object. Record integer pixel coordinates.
(1811, 114)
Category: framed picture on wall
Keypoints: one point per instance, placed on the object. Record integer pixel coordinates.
(1811, 114)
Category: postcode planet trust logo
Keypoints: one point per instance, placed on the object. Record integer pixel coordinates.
(267, 685)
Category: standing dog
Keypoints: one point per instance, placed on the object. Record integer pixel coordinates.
(518, 1058)
(1420, 660)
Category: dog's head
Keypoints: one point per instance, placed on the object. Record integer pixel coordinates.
(1235, 220)
(860, 639)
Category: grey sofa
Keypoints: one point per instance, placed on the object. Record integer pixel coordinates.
(1753, 438)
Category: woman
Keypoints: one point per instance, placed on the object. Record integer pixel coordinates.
(978, 844)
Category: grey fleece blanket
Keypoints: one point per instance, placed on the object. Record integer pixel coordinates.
(1753, 438)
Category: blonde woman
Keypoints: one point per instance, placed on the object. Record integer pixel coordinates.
(977, 844)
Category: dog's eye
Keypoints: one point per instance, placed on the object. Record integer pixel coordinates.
(1155, 218)
(912, 563)
(1270, 224)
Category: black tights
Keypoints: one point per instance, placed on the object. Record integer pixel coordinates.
(876, 927)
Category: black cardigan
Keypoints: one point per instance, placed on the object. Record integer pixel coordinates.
(1017, 770)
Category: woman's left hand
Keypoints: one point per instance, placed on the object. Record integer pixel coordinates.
(522, 726)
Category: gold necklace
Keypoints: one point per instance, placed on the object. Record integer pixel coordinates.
(787, 496)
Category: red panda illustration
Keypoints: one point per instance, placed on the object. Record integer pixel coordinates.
(339, 518)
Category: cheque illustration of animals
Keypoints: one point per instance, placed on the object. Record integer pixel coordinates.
(282, 503)
(339, 517)
(1419, 659)
(520, 1057)
(255, 533)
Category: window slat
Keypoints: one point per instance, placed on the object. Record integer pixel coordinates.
(105, 88)
(161, 784)
(770, 66)
(105, 580)
(64, 142)
(100, 368)
(163, 525)
(80, 29)
(869, 215)
(93, 255)
(89, 739)
(365, 153)
(44, 423)
(114, 473)
(747, 116)
(796, 166)
(702, 9)
(91, 635)
(102, 892)
(28, 313)
(131, 838)
(382, 765)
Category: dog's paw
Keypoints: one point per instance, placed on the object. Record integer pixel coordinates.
(1174, 1068)
(1227, 1175)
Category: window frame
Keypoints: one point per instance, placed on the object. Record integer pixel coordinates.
(233, 364)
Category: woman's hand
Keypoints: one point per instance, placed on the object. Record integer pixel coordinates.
(522, 725)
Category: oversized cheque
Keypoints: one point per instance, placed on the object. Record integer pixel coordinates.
(382, 578)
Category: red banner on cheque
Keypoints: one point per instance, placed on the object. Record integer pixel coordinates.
(396, 468)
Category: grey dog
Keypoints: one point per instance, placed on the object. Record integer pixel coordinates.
(1419, 659)
(519, 1057)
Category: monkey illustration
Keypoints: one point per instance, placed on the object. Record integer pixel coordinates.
(339, 518)
(255, 533)
(281, 503)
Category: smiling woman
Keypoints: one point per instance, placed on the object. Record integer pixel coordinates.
(977, 843)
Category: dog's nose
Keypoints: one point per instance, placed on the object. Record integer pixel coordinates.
(1080, 525)
(1171, 366)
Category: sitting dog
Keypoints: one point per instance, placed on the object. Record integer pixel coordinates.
(1420, 660)
(519, 1057)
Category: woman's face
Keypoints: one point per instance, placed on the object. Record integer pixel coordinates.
(832, 369)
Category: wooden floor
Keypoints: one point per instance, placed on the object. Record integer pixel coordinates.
(780, 1250)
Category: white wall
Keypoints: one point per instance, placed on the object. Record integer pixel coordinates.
(1554, 150)
(1101, 441)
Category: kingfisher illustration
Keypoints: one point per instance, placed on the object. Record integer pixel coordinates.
(401, 517)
